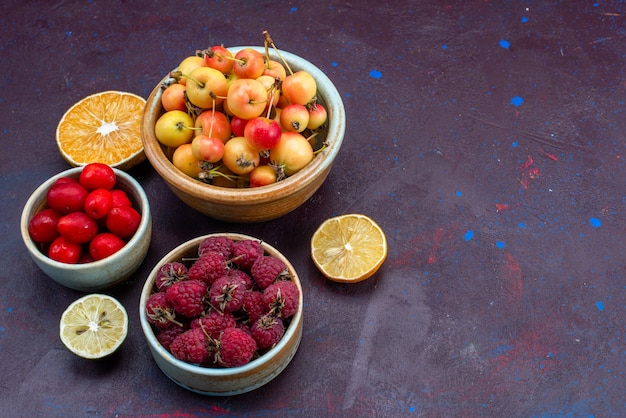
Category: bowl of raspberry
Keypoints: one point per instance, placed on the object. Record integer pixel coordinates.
(222, 314)
(268, 164)
(88, 228)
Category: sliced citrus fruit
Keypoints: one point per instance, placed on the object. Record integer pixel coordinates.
(103, 127)
(349, 248)
(94, 326)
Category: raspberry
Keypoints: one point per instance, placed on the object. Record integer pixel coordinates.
(170, 273)
(254, 305)
(243, 276)
(245, 252)
(235, 348)
(282, 297)
(191, 346)
(220, 244)
(214, 322)
(188, 297)
(226, 293)
(267, 269)
(160, 311)
(267, 331)
(166, 335)
(210, 266)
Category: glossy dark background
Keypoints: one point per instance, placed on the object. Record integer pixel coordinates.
(486, 138)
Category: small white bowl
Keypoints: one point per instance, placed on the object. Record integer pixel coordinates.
(101, 274)
(222, 381)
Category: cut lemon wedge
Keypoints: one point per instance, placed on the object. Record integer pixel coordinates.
(103, 127)
(349, 248)
(94, 326)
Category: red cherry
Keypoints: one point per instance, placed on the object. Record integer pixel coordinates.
(104, 245)
(97, 176)
(120, 198)
(98, 203)
(77, 227)
(43, 226)
(123, 221)
(66, 196)
(64, 251)
(238, 125)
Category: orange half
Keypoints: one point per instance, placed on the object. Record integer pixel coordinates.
(103, 127)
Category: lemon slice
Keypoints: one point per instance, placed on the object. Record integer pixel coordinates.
(94, 326)
(349, 248)
(103, 127)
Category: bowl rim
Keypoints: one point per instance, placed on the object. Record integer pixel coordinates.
(36, 200)
(267, 357)
(335, 130)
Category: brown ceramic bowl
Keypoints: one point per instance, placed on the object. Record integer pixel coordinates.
(244, 205)
(222, 381)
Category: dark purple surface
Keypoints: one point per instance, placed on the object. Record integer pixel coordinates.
(486, 138)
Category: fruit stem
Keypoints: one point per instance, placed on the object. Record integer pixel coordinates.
(272, 90)
(209, 172)
(189, 77)
(212, 115)
(269, 41)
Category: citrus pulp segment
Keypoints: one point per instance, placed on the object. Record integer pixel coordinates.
(94, 326)
(103, 127)
(349, 248)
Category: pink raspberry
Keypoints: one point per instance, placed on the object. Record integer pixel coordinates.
(214, 322)
(267, 331)
(160, 311)
(245, 252)
(210, 266)
(188, 297)
(282, 297)
(170, 273)
(266, 269)
(243, 276)
(220, 244)
(254, 305)
(191, 346)
(226, 293)
(166, 335)
(235, 348)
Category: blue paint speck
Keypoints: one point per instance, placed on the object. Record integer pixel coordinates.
(293, 10)
(468, 235)
(504, 43)
(524, 19)
(517, 101)
(521, 225)
(334, 64)
(600, 305)
(458, 193)
(376, 74)
(9, 309)
(444, 46)
(514, 144)
(411, 409)
(595, 222)
(500, 244)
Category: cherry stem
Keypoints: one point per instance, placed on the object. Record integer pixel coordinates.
(212, 117)
(269, 41)
(212, 172)
(187, 76)
(208, 53)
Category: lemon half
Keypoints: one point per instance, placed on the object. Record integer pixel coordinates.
(94, 326)
(349, 248)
